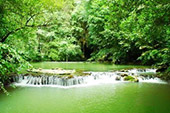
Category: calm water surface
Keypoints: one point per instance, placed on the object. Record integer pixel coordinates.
(86, 66)
(102, 98)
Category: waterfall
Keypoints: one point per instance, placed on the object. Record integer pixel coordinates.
(93, 78)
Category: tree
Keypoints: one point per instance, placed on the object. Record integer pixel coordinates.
(17, 15)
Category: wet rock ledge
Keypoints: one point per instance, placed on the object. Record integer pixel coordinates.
(57, 71)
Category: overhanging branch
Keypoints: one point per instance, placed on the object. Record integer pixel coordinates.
(32, 26)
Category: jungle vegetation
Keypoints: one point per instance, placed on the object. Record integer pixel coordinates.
(117, 31)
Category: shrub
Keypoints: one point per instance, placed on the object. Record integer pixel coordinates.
(11, 63)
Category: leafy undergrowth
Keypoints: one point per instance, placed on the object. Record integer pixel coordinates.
(11, 63)
(164, 75)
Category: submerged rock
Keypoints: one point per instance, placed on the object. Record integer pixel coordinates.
(118, 78)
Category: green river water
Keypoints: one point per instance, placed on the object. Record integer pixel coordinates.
(86, 66)
(102, 98)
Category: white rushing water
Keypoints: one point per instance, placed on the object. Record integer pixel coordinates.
(93, 79)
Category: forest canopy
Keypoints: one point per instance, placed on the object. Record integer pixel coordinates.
(118, 31)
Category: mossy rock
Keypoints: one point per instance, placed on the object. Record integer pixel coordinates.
(123, 70)
(136, 80)
(26, 74)
(70, 76)
(80, 73)
(130, 78)
(39, 74)
(124, 75)
(59, 76)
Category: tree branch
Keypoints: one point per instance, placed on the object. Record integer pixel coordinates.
(33, 26)
(9, 33)
(31, 17)
(17, 29)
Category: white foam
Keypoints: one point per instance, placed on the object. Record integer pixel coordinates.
(96, 78)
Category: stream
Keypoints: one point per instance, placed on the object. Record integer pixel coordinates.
(99, 92)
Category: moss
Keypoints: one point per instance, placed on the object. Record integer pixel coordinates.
(136, 80)
(65, 75)
(70, 76)
(80, 73)
(39, 74)
(130, 78)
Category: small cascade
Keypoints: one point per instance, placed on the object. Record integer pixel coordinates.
(48, 80)
(142, 71)
(93, 78)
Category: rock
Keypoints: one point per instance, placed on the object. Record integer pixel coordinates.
(70, 76)
(60, 69)
(162, 68)
(118, 73)
(130, 78)
(143, 78)
(123, 70)
(151, 76)
(144, 75)
(28, 70)
(123, 75)
(118, 78)
(53, 72)
(141, 70)
(136, 80)
(27, 74)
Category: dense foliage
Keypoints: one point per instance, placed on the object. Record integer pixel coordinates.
(11, 63)
(127, 31)
(64, 50)
(120, 31)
